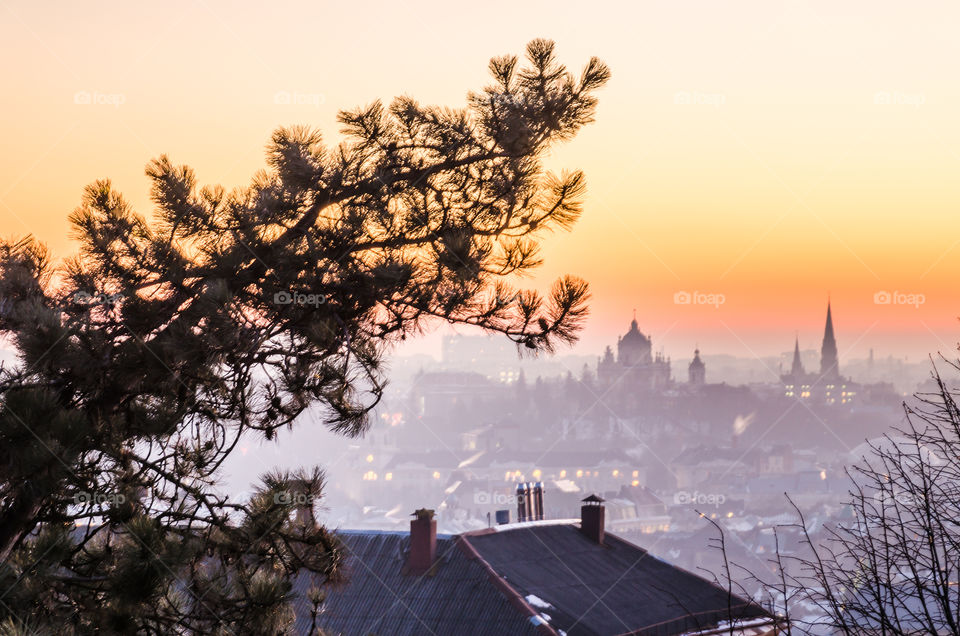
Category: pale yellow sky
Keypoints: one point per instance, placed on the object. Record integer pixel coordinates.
(768, 153)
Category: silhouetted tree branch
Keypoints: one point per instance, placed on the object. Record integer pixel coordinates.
(145, 358)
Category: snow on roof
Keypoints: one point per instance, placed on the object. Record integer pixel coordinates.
(471, 459)
(529, 524)
(566, 485)
(538, 602)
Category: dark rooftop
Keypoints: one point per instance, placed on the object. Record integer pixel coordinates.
(455, 597)
(506, 580)
(615, 588)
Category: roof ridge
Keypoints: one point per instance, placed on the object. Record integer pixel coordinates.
(519, 525)
(514, 597)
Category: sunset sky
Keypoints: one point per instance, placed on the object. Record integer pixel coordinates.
(767, 156)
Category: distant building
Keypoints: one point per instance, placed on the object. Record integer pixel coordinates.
(697, 371)
(430, 473)
(494, 357)
(710, 466)
(827, 387)
(636, 509)
(535, 578)
(436, 394)
(636, 367)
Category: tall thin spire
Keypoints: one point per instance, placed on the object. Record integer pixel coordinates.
(797, 369)
(829, 364)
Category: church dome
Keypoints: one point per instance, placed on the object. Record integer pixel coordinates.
(634, 347)
(634, 335)
(696, 363)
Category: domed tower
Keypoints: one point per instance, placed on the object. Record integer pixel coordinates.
(634, 348)
(697, 371)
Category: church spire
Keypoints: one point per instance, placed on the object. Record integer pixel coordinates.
(829, 365)
(797, 369)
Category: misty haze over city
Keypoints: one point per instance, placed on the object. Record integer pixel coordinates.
(481, 384)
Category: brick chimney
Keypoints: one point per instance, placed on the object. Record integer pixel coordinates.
(423, 541)
(592, 518)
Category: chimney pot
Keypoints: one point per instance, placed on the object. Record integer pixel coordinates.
(423, 541)
(522, 494)
(592, 518)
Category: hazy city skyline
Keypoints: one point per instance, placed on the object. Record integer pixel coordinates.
(678, 337)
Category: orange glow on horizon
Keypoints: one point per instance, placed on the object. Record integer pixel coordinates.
(772, 155)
